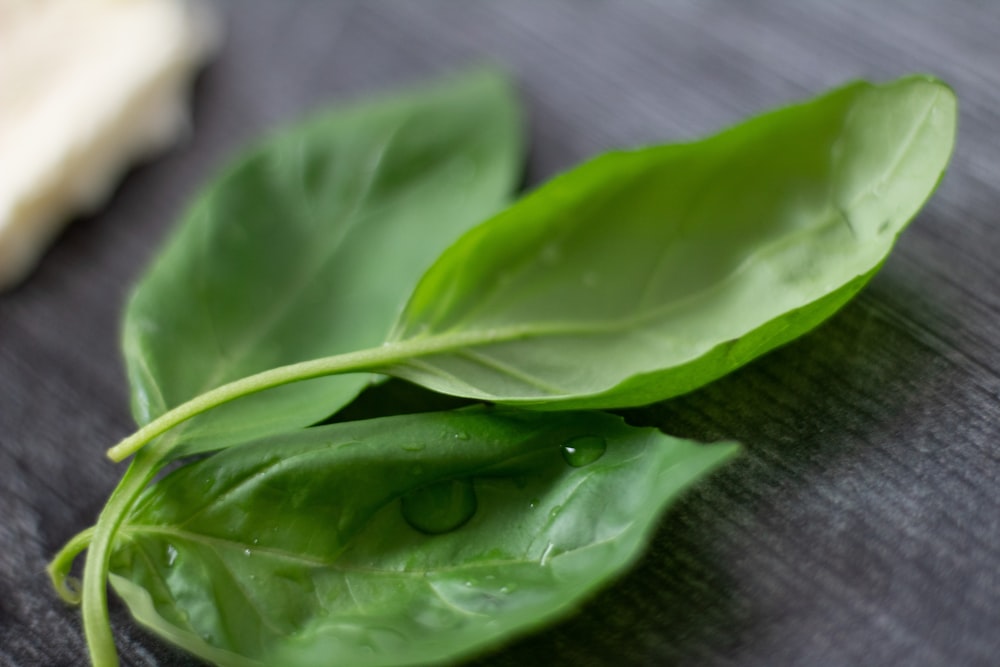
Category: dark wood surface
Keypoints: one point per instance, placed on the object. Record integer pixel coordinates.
(862, 527)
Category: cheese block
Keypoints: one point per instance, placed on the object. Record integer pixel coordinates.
(86, 88)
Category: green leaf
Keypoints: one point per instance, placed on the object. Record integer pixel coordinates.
(309, 246)
(645, 274)
(398, 540)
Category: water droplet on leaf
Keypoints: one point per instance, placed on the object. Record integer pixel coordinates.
(546, 554)
(440, 507)
(583, 450)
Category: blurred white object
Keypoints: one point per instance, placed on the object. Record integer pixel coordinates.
(86, 88)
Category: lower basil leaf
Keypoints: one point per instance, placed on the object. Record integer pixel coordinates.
(399, 540)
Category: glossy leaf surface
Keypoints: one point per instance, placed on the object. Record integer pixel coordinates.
(310, 245)
(646, 274)
(400, 540)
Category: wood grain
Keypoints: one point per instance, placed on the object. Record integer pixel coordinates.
(863, 524)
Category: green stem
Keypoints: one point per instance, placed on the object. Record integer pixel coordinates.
(374, 359)
(345, 363)
(69, 587)
(96, 624)
(94, 596)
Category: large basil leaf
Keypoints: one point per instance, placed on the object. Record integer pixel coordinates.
(399, 540)
(645, 274)
(309, 246)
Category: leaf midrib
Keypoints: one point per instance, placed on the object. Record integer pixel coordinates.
(504, 334)
(130, 531)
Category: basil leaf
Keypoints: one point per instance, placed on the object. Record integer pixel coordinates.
(309, 246)
(398, 540)
(642, 275)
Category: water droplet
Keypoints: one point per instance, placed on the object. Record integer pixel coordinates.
(247, 552)
(504, 589)
(583, 450)
(546, 554)
(461, 435)
(468, 584)
(74, 584)
(171, 555)
(256, 540)
(440, 507)
(554, 512)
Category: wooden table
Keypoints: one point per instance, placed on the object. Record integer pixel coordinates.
(861, 527)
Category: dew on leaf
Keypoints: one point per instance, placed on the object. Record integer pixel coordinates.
(440, 507)
(583, 450)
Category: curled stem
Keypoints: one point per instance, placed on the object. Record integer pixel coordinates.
(66, 586)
